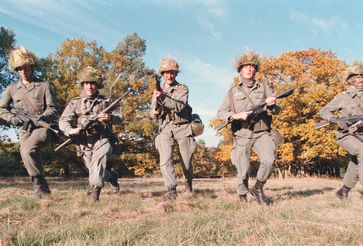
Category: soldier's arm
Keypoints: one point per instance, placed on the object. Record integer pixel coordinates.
(327, 111)
(68, 115)
(5, 102)
(153, 113)
(275, 108)
(225, 112)
(179, 100)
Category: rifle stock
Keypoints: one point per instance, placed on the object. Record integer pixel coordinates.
(353, 122)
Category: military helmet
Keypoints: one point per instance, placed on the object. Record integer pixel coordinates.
(168, 64)
(91, 74)
(354, 69)
(20, 57)
(248, 58)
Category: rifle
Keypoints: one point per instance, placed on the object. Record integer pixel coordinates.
(92, 119)
(260, 108)
(353, 122)
(29, 119)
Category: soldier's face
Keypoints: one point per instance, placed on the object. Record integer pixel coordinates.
(169, 77)
(25, 72)
(247, 72)
(357, 81)
(90, 88)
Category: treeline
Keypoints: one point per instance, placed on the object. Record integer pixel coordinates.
(306, 151)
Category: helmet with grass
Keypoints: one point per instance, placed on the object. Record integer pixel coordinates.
(91, 74)
(248, 58)
(168, 64)
(355, 69)
(20, 57)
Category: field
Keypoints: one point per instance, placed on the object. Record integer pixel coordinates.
(305, 212)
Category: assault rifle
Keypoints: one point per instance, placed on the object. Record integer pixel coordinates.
(29, 119)
(260, 108)
(92, 119)
(353, 123)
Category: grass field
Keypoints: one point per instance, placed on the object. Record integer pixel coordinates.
(305, 212)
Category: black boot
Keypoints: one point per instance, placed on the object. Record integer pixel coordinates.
(342, 193)
(243, 198)
(188, 185)
(115, 187)
(37, 187)
(44, 184)
(96, 191)
(172, 193)
(257, 192)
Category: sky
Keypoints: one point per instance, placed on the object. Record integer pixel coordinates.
(204, 36)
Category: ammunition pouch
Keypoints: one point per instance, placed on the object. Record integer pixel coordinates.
(197, 125)
(277, 137)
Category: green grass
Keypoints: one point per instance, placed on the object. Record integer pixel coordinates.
(305, 212)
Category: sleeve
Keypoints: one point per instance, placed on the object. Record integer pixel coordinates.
(275, 109)
(179, 101)
(5, 102)
(65, 121)
(225, 112)
(50, 110)
(326, 112)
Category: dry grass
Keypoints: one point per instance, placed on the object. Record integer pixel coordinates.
(305, 212)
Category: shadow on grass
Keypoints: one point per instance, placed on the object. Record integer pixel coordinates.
(302, 193)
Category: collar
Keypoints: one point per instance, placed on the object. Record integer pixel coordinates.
(172, 86)
(84, 95)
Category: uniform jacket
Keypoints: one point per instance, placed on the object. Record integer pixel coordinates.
(176, 109)
(39, 95)
(347, 103)
(79, 108)
(258, 94)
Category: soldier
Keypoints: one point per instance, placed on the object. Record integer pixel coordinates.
(34, 97)
(250, 133)
(94, 144)
(349, 103)
(170, 107)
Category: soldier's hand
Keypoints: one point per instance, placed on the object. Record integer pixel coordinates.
(16, 121)
(103, 117)
(241, 115)
(270, 101)
(156, 111)
(159, 94)
(75, 131)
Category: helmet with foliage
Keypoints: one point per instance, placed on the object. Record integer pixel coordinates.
(248, 58)
(354, 69)
(20, 57)
(91, 74)
(168, 64)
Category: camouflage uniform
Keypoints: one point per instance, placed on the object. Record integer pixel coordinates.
(246, 136)
(348, 103)
(174, 125)
(35, 99)
(94, 145)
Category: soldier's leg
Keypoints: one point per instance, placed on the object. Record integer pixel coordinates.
(187, 147)
(164, 144)
(264, 147)
(240, 158)
(101, 150)
(265, 150)
(355, 168)
(30, 145)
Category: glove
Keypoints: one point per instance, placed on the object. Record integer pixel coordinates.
(16, 121)
(42, 118)
(341, 123)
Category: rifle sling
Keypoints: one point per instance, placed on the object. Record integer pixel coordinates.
(34, 109)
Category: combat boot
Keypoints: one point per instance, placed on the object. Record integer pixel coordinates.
(257, 192)
(342, 193)
(37, 187)
(115, 187)
(189, 185)
(44, 184)
(96, 191)
(172, 193)
(243, 198)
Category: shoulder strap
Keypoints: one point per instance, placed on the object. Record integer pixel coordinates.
(247, 96)
(41, 94)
